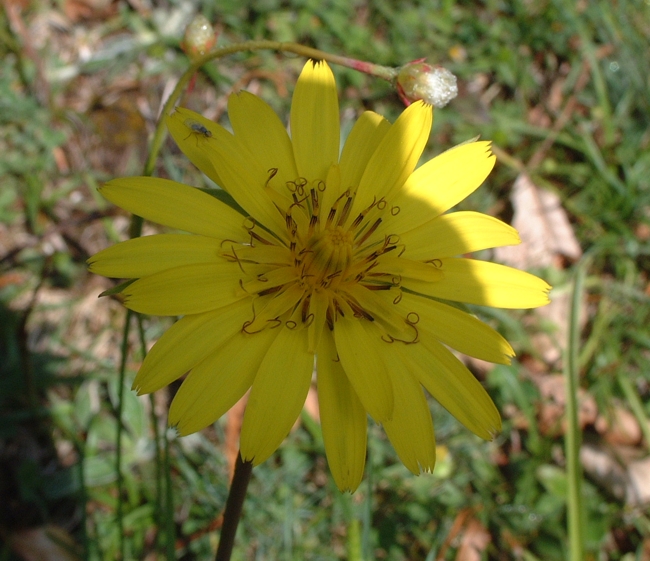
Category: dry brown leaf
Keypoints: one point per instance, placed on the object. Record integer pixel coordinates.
(551, 414)
(603, 468)
(638, 491)
(311, 404)
(620, 471)
(474, 541)
(233, 430)
(45, 543)
(546, 237)
(619, 426)
(543, 226)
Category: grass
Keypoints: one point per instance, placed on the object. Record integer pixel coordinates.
(76, 109)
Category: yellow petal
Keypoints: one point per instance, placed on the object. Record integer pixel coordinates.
(395, 158)
(343, 418)
(278, 276)
(243, 176)
(278, 395)
(140, 257)
(439, 184)
(315, 130)
(457, 329)
(186, 343)
(249, 116)
(380, 304)
(402, 267)
(269, 308)
(219, 381)
(190, 289)
(483, 283)
(457, 233)
(453, 386)
(176, 205)
(365, 136)
(356, 344)
(411, 428)
(196, 136)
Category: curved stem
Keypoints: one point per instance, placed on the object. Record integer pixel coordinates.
(385, 72)
(234, 506)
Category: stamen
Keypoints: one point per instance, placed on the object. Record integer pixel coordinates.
(435, 262)
(345, 212)
(272, 173)
(378, 286)
(256, 236)
(271, 290)
(369, 232)
(329, 318)
(357, 309)
(304, 313)
(335, 208)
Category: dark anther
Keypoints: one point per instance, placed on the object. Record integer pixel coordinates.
(329, 318)
(268, 291)
(272, 173)
(345, 212)
(304, 313)
(241, 285)
(359, 312)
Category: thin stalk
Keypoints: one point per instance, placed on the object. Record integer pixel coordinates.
(118, 444)
(573, 436)
(234, 506)
(170, 530)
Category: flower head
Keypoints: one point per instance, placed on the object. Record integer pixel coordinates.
(433, 84)
(199, 37)
(341, 262)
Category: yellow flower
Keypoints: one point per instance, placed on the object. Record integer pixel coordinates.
(338, 261)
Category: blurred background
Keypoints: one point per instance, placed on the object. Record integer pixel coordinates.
(559, 86)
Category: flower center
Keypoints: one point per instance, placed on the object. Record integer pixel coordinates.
(327, 255)
(330, 264)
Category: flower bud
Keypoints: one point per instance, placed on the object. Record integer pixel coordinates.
(432, 84)
(199, 37)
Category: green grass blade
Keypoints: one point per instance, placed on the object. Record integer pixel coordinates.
(573, 435)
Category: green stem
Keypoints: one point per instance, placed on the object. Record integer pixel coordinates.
(573, 436)
(385, 72)
(170, 530)
(234, 506)
(118, 454)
